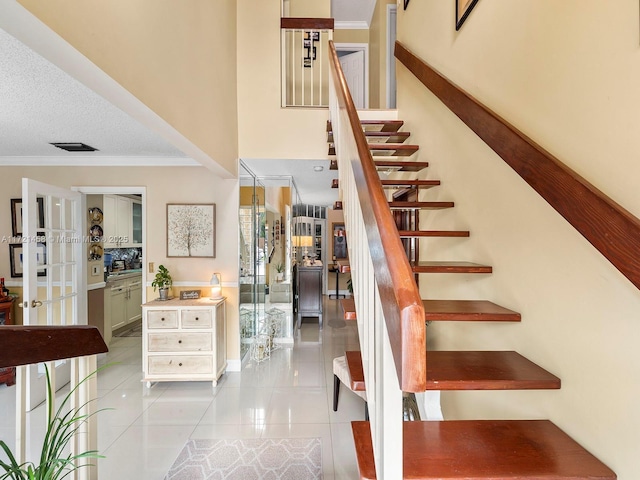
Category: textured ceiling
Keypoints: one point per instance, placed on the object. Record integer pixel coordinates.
(40, 104)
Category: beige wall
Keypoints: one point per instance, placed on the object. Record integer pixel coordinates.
(179, 58)
(309, 8)
(351, 36)
(163, 185)
(378, 56)
(265, 129)
(567, 75)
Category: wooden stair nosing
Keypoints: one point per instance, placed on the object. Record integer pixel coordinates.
(356, 372)
(387, 125)
(401, 166)
(386, 149)
(486, 370)
(450, 267)
(392, 137)
(432, 233)
(410, 183)
(452, 311)
(482, 449)
(467, 311)
(348, 308)
(393, 149)
(420, 205)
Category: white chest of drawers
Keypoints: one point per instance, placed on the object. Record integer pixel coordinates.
(184, 340)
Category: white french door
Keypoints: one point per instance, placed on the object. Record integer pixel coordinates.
(54, 282)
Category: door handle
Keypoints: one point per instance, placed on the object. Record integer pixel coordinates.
(36, 303)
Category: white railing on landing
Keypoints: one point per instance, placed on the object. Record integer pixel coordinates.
(24, 346)
(305, 70)
(389, 310)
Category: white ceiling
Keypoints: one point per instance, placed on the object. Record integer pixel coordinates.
(353, 12)
(41, 104)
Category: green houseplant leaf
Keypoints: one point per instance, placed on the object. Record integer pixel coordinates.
(55, 462)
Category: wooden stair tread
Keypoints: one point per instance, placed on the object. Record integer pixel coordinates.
(393, 149)
(344, 267)
(432, 233)
(356, 372)
(467, 310)
(410, 183)
(420, 205)
(483, 449)
(399, 183)
(474, 370)
(348, 308)
(482, 370)
(385, 125)
(452, 311)
(385, 149)
(373, 136)
(400, 166)
(450, 267)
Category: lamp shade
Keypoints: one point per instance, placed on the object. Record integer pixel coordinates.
(306, 241)
(216, 286)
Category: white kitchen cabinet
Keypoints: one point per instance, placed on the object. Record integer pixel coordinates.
(123, 299)
(122, 221)
(184, 340)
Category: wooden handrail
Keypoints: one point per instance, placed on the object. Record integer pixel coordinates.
(307, 23)
(399, 296)
(24, 345)
(609, 227)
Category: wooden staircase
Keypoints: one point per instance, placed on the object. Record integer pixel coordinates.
(470, 449)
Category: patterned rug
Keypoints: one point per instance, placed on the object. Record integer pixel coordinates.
(249, 459)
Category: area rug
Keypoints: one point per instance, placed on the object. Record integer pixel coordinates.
(249, 459)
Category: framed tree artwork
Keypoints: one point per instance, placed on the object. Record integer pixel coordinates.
(463, 9)
(191, 230)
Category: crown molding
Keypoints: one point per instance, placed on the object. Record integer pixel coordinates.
(351, 25)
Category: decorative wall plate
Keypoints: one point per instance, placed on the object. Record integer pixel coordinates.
(95, 215)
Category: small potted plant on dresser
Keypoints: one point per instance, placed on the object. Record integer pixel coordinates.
(162, 282)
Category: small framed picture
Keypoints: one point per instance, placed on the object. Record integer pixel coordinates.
(16, 215)
(15, 259)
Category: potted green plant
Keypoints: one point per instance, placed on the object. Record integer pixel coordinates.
(54, 462)
(162, 282)
(280, 271)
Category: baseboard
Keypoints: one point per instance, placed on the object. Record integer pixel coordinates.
(234, 365)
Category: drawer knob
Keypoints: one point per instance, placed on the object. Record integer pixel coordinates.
(179, 341)
(180, 364)
(162, 319)
(197, 319)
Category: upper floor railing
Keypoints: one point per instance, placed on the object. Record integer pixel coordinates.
(390, 315)
(305, 69)
(610, 228)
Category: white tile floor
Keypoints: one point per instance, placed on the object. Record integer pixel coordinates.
(289, 395)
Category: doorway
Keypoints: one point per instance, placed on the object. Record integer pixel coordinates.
(116, 279)
(354, 60)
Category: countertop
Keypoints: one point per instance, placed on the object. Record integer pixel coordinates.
(114, 276)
